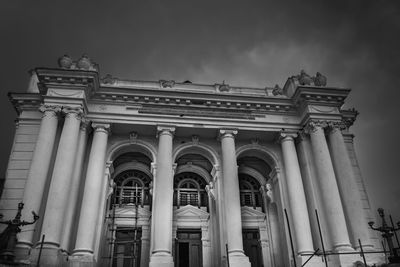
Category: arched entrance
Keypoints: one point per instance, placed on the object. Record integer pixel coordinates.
(129, 210)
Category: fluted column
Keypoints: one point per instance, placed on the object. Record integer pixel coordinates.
(297, 199)
(232, 200)
(57, 200)
(76, 182)
(92, 192)
(348, 188)
(162, 205)
(38, 172)
(328, 188)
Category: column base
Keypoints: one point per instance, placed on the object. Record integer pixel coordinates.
(161, 260)
(84, 260)
(237, 259)
(343, 248)
(316, 261)
(49, 257)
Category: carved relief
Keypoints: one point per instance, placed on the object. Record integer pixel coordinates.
(277, 90)
(167, 84)
(322, 109)
(319, 80)
(315, 125)
(222, 87)
(109, 79)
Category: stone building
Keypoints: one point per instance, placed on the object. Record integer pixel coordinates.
(166, 173)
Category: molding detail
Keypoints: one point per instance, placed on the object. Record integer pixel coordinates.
(167, 84)
(223, 133)
(164, 129)
(101, 127)
(133, 136)
(50, 110)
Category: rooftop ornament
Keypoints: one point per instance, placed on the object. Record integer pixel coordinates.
(84, 63)
(8, 238)
(387, 233)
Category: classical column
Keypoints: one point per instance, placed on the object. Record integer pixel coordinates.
(145, 249)
(328, 189)
(349, 191)
(162, 205)
(308, 173)
(57, 200)
(232, 200)
(91, 207)
(76, 182)
(297, 199)
(38, 172)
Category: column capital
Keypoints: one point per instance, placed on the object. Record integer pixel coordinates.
(101, 127)
(72, 111)
(334, 126)
(165, 129)
(51, 110)
(313, 125)
(227, 133)
(285, 135)
(85, 123)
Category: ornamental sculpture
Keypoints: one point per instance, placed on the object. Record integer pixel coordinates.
(167, 84)
(304, 79)
(8, 238)
(84, 63)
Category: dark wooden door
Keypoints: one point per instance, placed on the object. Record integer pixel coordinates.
(251, 246)
(189, 248)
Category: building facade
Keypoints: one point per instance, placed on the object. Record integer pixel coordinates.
(165, 173)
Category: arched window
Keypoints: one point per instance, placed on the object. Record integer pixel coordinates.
(132, 187)
(190, 190)
(249, 191)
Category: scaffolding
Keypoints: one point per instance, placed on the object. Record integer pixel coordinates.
(124, 241)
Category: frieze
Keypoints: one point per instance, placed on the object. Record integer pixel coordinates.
(66, 93)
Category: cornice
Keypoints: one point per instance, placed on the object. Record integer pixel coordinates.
(67, 78)
(25, 101)
(330, 96)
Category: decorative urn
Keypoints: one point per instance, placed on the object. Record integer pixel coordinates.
(65, 62)
(84, 63)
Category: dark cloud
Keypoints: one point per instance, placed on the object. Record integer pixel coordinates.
(254, 43)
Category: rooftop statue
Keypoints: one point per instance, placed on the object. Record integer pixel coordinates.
(304, 78)
(277, 90)
(319, 79)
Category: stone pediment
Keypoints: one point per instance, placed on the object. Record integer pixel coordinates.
(250, 213)
(191, 213)
(129, 211)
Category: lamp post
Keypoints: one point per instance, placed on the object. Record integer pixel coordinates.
(387, 233)
(8, 238)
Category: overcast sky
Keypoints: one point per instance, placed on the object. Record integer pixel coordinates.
(355, 44)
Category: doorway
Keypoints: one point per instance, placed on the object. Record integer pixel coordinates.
(251, 246)
(127, 247)
(188, 248)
